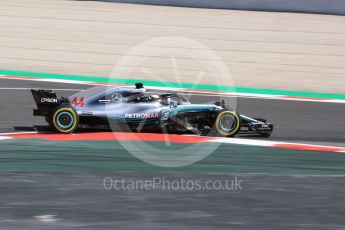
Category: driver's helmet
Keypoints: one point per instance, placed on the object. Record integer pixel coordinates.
(135, 96)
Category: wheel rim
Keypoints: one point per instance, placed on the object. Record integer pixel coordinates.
(65, 120)
(227, 123)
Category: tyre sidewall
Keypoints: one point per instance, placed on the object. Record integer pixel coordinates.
(64, 109)
(234, 131)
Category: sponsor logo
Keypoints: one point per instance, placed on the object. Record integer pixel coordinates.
(141, 115)
(116, 97)
(165, 115)
(49, 100)
(104, 101)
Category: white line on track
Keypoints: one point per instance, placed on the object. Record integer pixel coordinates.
(268, 143)
(45, 88)
(236, 141)
(263, 97)
(244, 141)
(217, 95)
(29, 132)
(183, 90)
(46, 80)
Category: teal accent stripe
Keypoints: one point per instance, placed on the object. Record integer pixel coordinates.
(111, 156)
(175, 85)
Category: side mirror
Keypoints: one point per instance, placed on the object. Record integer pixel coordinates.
(174, 103)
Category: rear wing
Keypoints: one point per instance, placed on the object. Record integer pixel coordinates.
(46, 101)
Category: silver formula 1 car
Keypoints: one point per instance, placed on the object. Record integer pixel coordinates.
(133, 107)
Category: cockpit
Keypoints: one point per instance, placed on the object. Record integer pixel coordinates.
(165, 98)
(162, 98)
(137, 95)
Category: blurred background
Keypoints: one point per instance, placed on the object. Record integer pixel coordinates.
(278, 50)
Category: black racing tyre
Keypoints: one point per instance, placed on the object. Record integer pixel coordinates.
(228, 123)
(64, 119)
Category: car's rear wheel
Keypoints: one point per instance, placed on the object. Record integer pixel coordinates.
(228, 123)
(65, 119)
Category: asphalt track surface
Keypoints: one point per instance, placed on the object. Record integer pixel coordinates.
(36, 201)
(78, 200)
(295, 121)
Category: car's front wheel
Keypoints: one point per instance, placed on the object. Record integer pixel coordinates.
(228, 123)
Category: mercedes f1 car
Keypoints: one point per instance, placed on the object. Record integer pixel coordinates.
(133, 107)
